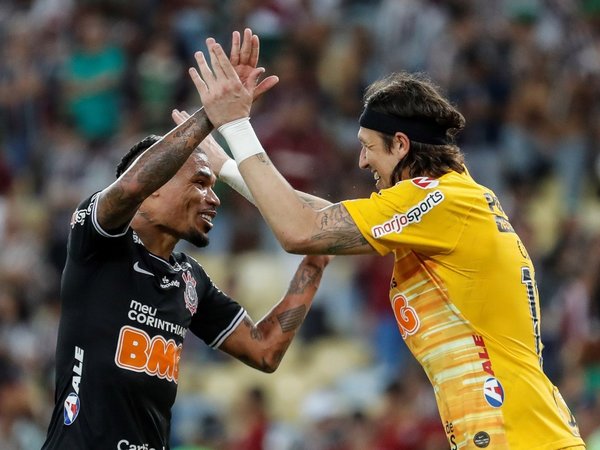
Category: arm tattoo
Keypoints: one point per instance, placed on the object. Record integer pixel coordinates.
(255, 333)
(263, 158)
(166, 156)
(305, 276)
(291, 319)
(337, 228)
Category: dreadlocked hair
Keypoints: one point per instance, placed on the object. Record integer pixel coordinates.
(409, 95)
(136, 151)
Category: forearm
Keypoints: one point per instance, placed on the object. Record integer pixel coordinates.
(230, 174)
(154, 167)
(299, 226)
(273, 334)
(288, 215)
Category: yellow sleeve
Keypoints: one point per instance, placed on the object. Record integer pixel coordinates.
(420, 215)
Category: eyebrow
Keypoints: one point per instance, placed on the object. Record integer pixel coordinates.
(204, 172)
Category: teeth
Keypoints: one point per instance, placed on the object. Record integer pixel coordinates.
(376, 176)
(207, 218)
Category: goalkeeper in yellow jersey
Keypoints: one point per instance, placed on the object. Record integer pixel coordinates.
(463, 288)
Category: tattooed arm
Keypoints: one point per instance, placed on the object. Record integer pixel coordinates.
(263, 345)
(119, 202)
(298, 226)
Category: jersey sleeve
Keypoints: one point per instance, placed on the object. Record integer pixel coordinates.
(218, 315)
(416, 214)
(87, 237)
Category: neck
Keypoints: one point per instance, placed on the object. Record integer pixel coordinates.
(156, 241)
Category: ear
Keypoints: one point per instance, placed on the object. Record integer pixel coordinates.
(401, 145)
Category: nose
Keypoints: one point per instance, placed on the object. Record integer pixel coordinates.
(362, 159)
(212, 198)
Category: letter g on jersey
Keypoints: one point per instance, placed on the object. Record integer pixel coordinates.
(406, 316)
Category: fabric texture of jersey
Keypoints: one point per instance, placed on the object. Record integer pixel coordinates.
(125, 313)
(464, 296)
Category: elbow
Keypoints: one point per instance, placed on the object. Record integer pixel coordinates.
(264, 365)
(295, 244)
(271, 357)
(269, 368)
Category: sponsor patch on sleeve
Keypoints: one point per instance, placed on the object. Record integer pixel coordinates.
(425, 182)
(413, 215)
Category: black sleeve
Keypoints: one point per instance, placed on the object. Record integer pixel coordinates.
(217, 315)
(86, 236)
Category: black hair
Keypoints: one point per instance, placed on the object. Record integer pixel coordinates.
(136, 151)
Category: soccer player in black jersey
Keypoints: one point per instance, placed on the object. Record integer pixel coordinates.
(128, 299)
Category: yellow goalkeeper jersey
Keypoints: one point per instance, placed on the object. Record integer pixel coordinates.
(465, 299)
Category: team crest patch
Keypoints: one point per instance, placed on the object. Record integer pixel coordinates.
(71, 408)
(425, 182)
(493, 392)
(190, 295)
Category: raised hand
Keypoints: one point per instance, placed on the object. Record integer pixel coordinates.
(224, 96)
(244, 59)
(215, 153)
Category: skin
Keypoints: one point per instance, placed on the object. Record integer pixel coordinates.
(168, 194)
(376, 157)
(299, 227)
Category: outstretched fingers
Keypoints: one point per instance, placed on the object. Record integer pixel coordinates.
(201, 86)
(246, 51)
(234, 56)
(265, 85)
(255, 50)
(205, 70)
(220, 62)
(179, 116)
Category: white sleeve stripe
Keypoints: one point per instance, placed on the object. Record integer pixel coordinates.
(97, 226)
(216, 343)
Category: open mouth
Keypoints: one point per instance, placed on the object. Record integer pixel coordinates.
(208, 218)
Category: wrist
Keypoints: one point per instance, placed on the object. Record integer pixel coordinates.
(231, 175)
(241, 138)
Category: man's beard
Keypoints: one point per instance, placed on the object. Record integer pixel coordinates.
(197, 238)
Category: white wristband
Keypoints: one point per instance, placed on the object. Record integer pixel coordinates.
(241, 138)
(231, 175)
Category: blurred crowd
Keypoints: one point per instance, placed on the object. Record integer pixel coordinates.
(82, 81)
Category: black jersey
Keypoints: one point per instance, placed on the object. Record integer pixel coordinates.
(125, 313)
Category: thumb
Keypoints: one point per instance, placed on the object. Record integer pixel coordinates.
(265, 85)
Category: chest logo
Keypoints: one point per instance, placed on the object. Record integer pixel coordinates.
(190, 296)
(138, 269)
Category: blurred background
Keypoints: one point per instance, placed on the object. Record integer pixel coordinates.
(82, 81)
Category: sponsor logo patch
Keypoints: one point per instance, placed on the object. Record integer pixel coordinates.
(138, 269)
(78, 217)
(71, 410)
(165, 283)
(493, 392)
(425, 182)
(481, 439)
(155, 356)
(124, 444)
(413, 215)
